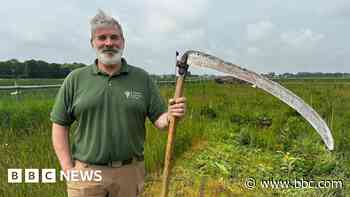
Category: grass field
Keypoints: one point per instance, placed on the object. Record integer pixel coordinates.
(231, 134)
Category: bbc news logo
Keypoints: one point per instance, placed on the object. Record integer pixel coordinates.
(50, 176)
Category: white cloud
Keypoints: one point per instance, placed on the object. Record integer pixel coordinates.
(260, 30)
(155, 23)
(302, 38)
(339, 10)
(169, 15)
(253, 51)
(165, 25)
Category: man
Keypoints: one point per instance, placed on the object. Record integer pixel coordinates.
(110, 101)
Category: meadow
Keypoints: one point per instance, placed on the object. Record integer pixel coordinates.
(232, 133)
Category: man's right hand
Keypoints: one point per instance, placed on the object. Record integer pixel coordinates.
(60, 140)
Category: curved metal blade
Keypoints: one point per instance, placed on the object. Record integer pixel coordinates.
(200, 59)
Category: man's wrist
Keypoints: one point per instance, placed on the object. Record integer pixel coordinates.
(67, 165)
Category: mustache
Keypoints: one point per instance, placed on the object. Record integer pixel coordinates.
(109, 50)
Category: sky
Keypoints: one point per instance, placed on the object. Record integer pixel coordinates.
(263, 36)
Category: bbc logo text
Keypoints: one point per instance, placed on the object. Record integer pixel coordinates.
(17, 175)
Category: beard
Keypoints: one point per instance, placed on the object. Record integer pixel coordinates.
(109, 56)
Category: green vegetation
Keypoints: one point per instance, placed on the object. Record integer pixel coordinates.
(35, 69)
(230, 133)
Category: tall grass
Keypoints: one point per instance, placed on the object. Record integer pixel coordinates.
(228, 118)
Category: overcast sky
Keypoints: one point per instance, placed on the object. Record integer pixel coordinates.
(264, 36)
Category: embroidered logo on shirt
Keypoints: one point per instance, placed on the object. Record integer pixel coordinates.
(127, 94)
(133, 94)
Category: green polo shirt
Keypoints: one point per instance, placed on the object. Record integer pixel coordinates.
(110, 112)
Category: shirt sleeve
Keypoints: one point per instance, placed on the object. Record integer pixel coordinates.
(156, 105)
(62, 109)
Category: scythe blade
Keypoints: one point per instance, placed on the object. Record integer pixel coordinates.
(200, 59)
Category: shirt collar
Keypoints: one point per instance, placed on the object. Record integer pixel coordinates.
(123, 70)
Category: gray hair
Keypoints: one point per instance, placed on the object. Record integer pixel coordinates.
(101, 20)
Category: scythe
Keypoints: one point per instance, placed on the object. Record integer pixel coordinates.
(200, 59)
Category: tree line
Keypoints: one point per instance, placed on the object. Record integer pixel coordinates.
(317, 75)
(35, 69)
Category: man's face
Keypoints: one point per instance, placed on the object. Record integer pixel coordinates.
(109, 44)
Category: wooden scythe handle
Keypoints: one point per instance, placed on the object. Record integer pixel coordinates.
(171, 136)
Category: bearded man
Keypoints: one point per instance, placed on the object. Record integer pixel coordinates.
(110, 101)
